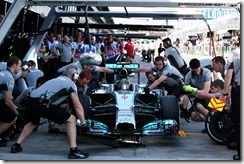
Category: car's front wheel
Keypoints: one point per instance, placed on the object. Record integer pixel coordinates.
(170, 108)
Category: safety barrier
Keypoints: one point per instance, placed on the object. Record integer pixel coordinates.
(206, 51)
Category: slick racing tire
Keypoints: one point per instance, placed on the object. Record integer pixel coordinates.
(170, 108)
(218, 126)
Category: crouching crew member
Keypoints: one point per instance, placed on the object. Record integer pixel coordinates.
(47, 101)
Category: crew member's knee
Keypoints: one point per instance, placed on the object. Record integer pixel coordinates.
(72, 119)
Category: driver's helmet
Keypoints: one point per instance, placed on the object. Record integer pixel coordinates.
(123, 73)
(123, 84)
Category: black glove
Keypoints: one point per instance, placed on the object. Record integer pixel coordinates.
(20, 118)
(180, 81)
(116, 71)
(84, 128)
(147, 90)
(132, 71)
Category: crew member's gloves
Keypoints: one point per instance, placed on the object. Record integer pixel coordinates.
(132, 71)
(147, 90)
(187, 88)
(116, 71)
(20, 118)
(84, 128)
(190, 90)
(218, 95)
(180, 81)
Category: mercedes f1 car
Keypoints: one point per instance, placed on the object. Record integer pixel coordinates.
(122, 110)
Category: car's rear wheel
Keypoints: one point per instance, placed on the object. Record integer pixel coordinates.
(170, 108)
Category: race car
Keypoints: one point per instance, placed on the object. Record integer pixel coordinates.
(123, 109)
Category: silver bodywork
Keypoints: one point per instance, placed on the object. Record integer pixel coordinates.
(123, 105)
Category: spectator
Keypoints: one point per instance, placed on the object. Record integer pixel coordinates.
(78, 48)
(44, 59)
(87, 47)
(160, 49)
(145, 49)
(129, 47)
(110, 49)
(42, 53)
(72, 42)
(53, 57)
(120, 46)
(66, 52)
(151, 52)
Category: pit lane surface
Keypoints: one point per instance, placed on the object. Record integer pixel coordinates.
(194, 145)
(190, 144)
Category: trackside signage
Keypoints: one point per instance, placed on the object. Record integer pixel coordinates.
(200, 4)
(216, 13)
(137, 3)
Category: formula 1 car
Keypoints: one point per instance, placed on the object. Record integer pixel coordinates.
(122, 110)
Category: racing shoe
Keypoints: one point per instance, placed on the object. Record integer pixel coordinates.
(3, 142)
(16, 148)
(236, 157)
(77, 154)
(184, 114)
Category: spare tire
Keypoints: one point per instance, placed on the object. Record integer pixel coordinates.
(218, 126)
